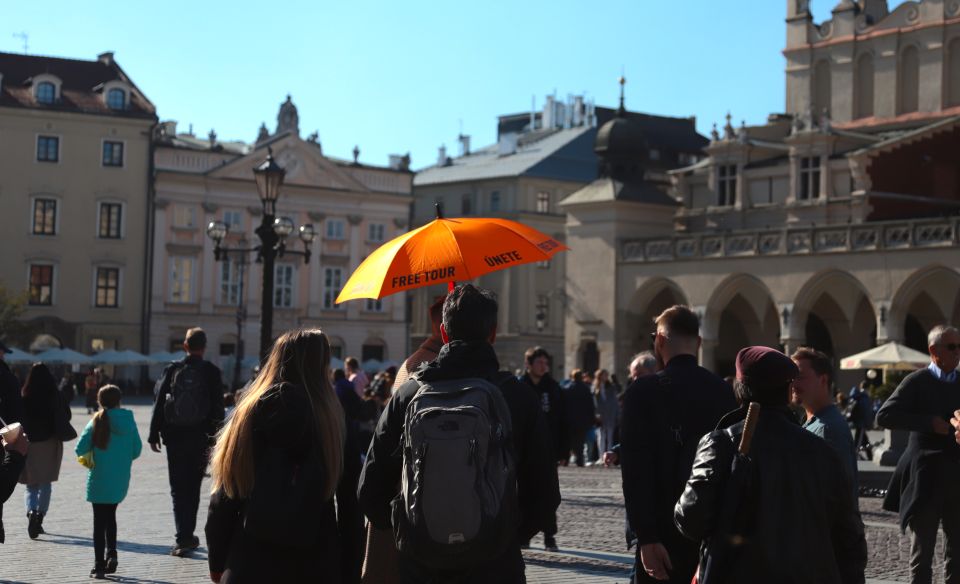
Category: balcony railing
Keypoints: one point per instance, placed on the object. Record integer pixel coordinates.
(920, 233)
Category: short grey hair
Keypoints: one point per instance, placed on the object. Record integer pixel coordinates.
(646, 359)
(937, 333)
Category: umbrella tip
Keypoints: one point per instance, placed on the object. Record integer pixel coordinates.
(439, 210)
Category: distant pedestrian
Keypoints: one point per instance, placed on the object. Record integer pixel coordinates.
(811, 389)
(923, 486)
(284, 484)
(91, 385)
(459, 506)
(664, 416)
(581, 415)
(607, 408)
(187, 413)
(112, 442)
(793, 519)
(862, 416)
(356, 376)
(41, 407)
(537, 376)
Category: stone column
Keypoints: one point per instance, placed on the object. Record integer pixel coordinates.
(708, 349)
(894, 441)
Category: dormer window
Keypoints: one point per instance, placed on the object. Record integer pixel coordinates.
(117, 99)
(46, 93)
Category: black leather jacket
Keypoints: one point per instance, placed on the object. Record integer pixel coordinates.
(806, 530)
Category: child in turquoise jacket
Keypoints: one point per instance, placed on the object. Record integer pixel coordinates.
(112, 439)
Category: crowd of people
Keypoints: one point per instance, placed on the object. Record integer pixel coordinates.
(444, 469)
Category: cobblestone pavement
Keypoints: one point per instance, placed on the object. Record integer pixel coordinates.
(591, 539)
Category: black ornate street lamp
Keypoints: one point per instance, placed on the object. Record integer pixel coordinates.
(273, 233)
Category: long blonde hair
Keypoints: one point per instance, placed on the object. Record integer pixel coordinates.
(301, 357)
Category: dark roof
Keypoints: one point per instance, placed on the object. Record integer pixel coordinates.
(80, 89)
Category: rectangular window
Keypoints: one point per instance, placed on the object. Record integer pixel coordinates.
(376, 232)
(112, 153)
(809, 178)
(495, 202)
(41, 285)
(229, 283)
(543, 202)
(727, 185)
(44, 216)
(374, 305)
(233, 221)
(466, 205)
(48, 149)
(108, 288)
(335, 229)
(184, 216)
(181, 279)
(332, 282)
(111, 215)
(284, 275)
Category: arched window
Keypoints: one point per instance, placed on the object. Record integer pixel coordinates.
(821, 87)
(865, 86)
(953, 73)
(117, 99)
(46, 92)
(909, 81)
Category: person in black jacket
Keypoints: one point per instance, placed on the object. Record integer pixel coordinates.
(14, 458)
(11, 406)
(284, 457)
(469, 329)
(923, 486)
(795, 516)
(581, 416)
(187, 431)
(663, 417)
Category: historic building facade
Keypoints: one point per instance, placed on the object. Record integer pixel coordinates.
(541, 157)
(74, 184)
(834, 225)
(353, 207)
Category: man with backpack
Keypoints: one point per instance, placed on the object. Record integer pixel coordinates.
(460, 466)
(187, 413)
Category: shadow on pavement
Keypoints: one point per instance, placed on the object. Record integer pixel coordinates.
(124, 546)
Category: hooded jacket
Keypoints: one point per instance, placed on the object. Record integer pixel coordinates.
(109, 479)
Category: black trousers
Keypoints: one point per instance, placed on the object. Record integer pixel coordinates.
(942, 507)
(186, 462)
(104, 528)
(507, 569)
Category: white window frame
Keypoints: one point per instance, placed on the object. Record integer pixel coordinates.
(191, 280)
(228, 290)
(56, 215)
(330, 293)
(233, 227)
(332, 233)
(123, 222)
(374, 306)
(36, 148)
(177, 208)
(46, 78)
(543, 202)
(95, 282)
(810, 177)
(376, 232)
(280, 286)
(727, 177)
(123, 92)
(36, 92)
(54, 276)
(123, 158)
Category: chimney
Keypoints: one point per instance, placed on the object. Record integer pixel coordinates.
(464, 145)
(396, 161)
(169, 128)
(442, 155)
(507, 144)
(548, 113)
(106, 58)
(533, 113)
(578, 111)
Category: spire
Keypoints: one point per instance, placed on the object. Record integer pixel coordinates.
(288, 119)
(622, 112)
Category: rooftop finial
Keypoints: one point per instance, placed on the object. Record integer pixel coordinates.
(623, 110)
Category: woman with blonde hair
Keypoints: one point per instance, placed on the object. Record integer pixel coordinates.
(278, 463)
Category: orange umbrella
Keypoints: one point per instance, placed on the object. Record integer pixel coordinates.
(447, 250)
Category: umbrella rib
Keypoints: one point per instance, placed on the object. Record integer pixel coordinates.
(457, 247)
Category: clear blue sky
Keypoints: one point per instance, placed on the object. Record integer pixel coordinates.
(394, 77)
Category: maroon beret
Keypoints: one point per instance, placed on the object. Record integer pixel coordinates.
(765, 366)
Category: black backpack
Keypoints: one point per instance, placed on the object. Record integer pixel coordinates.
(457, 506)
(187, 402)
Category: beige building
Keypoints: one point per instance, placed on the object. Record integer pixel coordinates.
(74, 185)
(354, 207)
(540, 158)
(833, 225)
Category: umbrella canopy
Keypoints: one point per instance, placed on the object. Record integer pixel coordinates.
(18, 356)
(890, 356)
(447, 250)
(336, 363)
(126, 357)
(373, 365)
(62, 357)
(160, 357)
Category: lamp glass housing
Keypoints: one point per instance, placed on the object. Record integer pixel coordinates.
(307, 233)
(217, 230)
(283, 227)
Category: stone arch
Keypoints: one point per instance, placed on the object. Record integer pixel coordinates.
(741, 312)
(822, 87)
(908, 80)
(865, 73)
(929, 296)
(648, 301)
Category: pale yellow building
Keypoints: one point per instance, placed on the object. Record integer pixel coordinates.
(75, 162)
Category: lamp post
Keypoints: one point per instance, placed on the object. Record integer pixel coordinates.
(273, 233)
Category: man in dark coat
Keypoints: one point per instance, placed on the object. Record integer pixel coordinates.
(14, 457)
(188, 445)
(923, 486)
(579, 407)
(11, 407)
(796, 521)
(538, 377)
(469, 329)
(664, 416)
